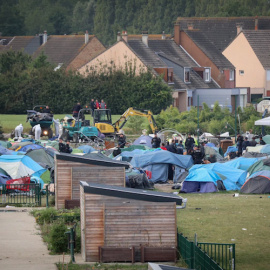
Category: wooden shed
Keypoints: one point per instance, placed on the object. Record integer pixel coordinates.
(71, 169)
(125, 224)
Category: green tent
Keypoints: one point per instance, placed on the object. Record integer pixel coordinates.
(40, 156)
(5, 144)
(260, 165)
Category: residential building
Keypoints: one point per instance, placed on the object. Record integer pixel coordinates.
(69, 51)
(249, 53)
(204, 39)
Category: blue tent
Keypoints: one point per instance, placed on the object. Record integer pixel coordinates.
(158, 163)
(30, 146)
(200, 180)
(4, 178)
(143, 140)
(230, 149)
(18, 166)
(242, 162)
(233, 178)
(5, 151)
(87, 149)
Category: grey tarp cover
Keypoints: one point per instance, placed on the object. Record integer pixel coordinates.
(40, 156)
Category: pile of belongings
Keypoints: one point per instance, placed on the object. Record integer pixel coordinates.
(38, 117)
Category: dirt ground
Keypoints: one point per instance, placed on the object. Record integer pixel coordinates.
(167, 187)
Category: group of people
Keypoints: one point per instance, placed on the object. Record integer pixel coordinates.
(97, 105)
(249, 140)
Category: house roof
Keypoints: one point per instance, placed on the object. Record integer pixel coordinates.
(220, 31)
(260, 42)
(92, 160)
(208, 47)
(166, 53)
(130, 193)
(28, 44)
(62, 49)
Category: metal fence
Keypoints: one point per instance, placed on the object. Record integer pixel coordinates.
(206, 256)
(20, 194)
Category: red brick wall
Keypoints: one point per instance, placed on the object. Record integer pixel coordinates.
(93, 48)
(201, 58)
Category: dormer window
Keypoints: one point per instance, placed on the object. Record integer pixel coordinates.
(207, 74)
(187, 75)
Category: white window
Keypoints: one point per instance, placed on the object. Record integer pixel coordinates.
(241, 72)
(231, 75)
(268, 75)
(207, 74)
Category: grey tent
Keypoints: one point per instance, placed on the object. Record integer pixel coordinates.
(41, 157)
(257, 183)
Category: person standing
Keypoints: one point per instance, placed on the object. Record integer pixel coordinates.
(180, 148)
(189, 143)
(197, 155)
(163, 147)
(92, 106)
(239, 145)
(97, 105)
(155, 142)
(245, 145)
(76, 109)
(18, 132)
(47, 110)
(37, 130)
(103, 104)
(122, 140)
(253, 142)
(56, 126)
(171, 147)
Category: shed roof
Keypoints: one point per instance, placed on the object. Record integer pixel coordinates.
(92, 160)
(130, 193)
(260, 42)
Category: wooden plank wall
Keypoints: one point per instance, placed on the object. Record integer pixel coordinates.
(114, 176)
(63, 179)
(117, 222)
(82, 202)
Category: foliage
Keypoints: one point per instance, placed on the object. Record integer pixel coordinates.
(57, 237)
(45, 216)
(25, 82)
(135, 124)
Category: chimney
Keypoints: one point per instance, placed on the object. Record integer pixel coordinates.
(86, 37)
(239, 28)
(256, 23)
(118, 36)
(45, 37)
(163, 35)
(190, 26)
(125, 36)
(177, 29)
(145, 38)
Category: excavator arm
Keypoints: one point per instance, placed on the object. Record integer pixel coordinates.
(119, 124)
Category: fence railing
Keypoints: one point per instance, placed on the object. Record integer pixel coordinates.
(20, 194)
(206, 256)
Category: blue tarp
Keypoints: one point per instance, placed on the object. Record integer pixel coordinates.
(30, 146)
(158, 163)
(5, 151)
(143, 140)
(4, 178)
(18, 166)
(266, 149)
(233, 178)
(200, 180)
(87, 149)
(242, 163)
(230, 149)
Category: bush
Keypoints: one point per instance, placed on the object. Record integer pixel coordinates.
(45, 216)
(58, 242)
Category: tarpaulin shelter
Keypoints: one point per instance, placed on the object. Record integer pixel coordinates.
(5, 144)
(230, 149)
(263, 122)
(200, 180)
(265, 149)
(257, 183)
(143, 140)
(25, 146)
(20, 165)
(87, 149)
(4, 178)
(16, 146)
(242, 163)
(158, 163)
(260, 165)
(41, 157)
(5, 151)
(133, 147)
(233, 179)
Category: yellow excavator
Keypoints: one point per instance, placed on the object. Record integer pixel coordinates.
(103, 120)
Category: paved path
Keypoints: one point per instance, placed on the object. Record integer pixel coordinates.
(21, 246)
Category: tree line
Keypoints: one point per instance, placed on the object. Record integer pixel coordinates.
(104, 18)
(25, 82)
